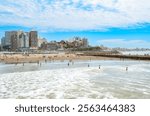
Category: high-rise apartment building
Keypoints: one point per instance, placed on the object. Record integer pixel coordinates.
(24, 40)
(33, 39)
(14, 41)
(7, 39)
(8, 35)
(2, 42)
(19, 41)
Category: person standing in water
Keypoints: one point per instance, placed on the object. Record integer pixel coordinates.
(99, 66)
(45, 61)
(38, 62)
(68, 63)
(126, 68)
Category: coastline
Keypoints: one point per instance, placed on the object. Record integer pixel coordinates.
(35, 58)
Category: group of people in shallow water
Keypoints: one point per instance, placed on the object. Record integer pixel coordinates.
(89, 65)
(39, 63)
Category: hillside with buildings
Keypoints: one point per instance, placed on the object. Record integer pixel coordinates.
(30, 41)
(20, 41)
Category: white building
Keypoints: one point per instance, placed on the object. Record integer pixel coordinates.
(85, 42)
(41, 41)
(24, 40)
(2, 42)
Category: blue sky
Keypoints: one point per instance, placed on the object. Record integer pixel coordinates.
(113, 23)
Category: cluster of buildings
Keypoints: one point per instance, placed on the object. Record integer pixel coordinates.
(19, 40)
(26, 41)
(74, 43)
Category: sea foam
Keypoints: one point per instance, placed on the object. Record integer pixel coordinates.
(110, 81)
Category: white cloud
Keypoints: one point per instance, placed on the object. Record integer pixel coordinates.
(74, 14)
(124, 43)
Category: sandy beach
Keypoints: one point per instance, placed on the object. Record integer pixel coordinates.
(20, 58)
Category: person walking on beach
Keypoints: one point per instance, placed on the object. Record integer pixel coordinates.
(88, 65)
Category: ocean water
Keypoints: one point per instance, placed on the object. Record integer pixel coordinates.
(57, 80)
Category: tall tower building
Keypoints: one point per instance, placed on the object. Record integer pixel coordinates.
(8, 35)
(23, 41)
(2, 42)
(26, 40)
(33, 39)
(7, 40)
(14, 41)
(19, 33)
